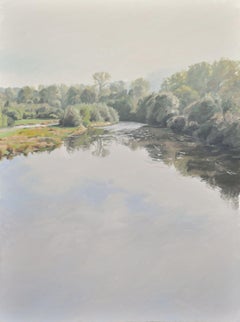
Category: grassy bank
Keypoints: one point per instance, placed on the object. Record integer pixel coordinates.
(35, 121)
(27, 140)
(24, 141)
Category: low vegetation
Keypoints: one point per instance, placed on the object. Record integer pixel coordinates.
(86, 114)
(202, 101)
(35, 122)
(24, 141)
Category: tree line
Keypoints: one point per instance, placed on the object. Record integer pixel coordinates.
(59, 101)
(202, 101)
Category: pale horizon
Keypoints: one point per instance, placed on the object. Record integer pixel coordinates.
(67, 41)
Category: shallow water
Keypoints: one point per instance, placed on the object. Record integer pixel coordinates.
(120, 225)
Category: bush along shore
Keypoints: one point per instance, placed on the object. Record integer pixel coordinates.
(204, 120)
(202, 101)
(75, 120)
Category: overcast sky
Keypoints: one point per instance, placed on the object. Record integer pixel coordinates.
(66, 41)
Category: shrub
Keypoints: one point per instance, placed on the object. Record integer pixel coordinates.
(70, 118)
(203, 110)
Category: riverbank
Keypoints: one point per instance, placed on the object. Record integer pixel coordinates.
(15, 141)
(35, 122)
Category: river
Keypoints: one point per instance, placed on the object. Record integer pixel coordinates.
(125, 223)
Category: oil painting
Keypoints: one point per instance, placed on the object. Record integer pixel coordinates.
(119, 161)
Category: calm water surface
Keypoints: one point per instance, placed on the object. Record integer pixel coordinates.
(119, 225)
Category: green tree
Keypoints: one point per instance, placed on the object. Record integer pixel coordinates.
(73, 95)
(186, 95)
(25, 95)
(101, 80)
(70, 118)
(43, 96)
(198, 77)
(9, 95)
(53, 96)
(63, 89)
(138, 89)
(160, 108)
(222, 72)
(203, 110)
(88, 95)
(117, 89)
(175, 81)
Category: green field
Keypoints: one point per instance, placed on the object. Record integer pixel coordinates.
(6, 132)
(14, 141)
(34, 121)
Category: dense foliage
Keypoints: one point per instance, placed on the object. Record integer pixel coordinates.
(209, 96)
(87, 113)
(202, 101)
(103, 101)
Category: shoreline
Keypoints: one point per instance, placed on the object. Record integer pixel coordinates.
(22, 141)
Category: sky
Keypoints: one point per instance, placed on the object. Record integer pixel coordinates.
(66, 41)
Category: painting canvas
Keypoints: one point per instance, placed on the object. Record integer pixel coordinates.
(119, 160)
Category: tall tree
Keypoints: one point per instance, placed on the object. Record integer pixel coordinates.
(138, 89)
(88, 95)
(25, 95)
(198, 76)
(101, 80)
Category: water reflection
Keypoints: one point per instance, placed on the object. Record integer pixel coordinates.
(123, 237)
(93, 139)
(220, 170)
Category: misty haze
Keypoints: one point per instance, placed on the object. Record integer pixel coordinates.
(119, 160)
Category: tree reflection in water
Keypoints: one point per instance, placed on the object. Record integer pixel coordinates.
(219, 169)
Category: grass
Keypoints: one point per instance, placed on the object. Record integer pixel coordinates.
(35, 121)
(6, 133)
(15, 141)
(24, 141)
